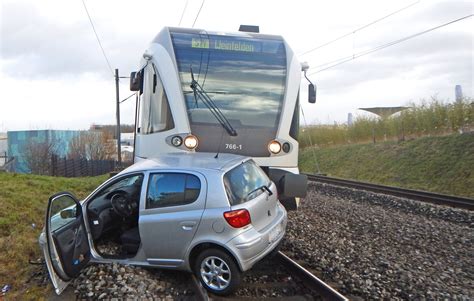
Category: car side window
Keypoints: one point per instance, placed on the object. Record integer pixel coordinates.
(172, 189)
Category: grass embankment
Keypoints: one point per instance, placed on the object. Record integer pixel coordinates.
(23, 201)
(437, 164)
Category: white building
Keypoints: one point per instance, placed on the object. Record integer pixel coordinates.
(3, 147)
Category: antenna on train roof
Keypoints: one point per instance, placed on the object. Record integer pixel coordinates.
(219, 146)
(249, 28)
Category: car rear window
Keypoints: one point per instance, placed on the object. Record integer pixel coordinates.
(243, 182)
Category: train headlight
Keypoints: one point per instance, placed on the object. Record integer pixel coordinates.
(286, 147)
(274, 147)
(191, 142)
(177, 141)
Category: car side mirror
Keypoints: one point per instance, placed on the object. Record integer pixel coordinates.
(311, 93)
(136, 81)
(68, 213)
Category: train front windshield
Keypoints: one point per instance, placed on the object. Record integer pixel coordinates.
(245, 77)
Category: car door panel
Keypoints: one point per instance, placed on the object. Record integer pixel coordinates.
(167, 235)
(166, 232)
(64, 240)
(72, 247)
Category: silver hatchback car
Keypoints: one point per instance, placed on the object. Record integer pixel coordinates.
(215, 217)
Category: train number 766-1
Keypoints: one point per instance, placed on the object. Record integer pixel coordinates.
(233, 146)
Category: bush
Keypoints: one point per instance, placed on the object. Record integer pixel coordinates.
(433, 117)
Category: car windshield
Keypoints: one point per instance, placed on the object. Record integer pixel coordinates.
(128, 181)
(243, 182)
(241, 74)
(244, 76)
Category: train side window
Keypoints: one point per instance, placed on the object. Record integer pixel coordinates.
(156, 114)
(295, 121)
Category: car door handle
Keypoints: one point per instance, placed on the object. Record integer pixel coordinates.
(188, 225)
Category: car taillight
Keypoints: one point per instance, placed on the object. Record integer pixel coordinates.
(237, 218)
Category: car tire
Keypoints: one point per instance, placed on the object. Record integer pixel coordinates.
(213, 267)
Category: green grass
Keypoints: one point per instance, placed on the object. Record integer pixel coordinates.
(23, 201)
(438, 164)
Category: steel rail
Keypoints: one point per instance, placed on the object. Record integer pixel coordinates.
(201, 293)
(311, 281)
(419, 195)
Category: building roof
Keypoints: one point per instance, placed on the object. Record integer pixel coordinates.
(384, 112)
(46, 130)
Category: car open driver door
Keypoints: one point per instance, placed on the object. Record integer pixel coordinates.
(64, 241)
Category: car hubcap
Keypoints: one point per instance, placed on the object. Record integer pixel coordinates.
(215, 273)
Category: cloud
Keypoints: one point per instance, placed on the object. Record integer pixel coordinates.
(423, 58)
(42, 47)
(48, 52)
(447, 10)
(444, 53)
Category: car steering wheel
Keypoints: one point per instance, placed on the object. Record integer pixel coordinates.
(121, 204)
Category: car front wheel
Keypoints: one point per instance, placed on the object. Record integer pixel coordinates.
(217, 271)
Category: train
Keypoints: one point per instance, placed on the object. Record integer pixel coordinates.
(223, 92)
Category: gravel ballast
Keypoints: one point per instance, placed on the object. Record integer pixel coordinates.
(366, 245)
(382, 247)
(123, 282)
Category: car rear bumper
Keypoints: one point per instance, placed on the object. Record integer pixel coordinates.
(252, 245)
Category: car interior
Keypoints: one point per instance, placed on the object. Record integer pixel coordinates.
(113, 218)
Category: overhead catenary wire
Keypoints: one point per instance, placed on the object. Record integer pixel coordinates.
(182, 14)
(199, 12)
(380, 47)
(98, 39)
(360, 28)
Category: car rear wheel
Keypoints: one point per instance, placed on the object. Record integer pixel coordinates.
(217, 271)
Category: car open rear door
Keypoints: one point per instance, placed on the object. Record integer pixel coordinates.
(64, 241)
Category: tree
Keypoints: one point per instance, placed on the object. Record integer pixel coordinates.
(77, 147)
(38, 155)
(92, 146)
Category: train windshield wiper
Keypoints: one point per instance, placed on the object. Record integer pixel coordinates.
(199, 93)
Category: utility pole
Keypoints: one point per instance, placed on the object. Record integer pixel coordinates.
(119, 152)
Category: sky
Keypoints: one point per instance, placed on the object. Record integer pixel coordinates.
(53, 74)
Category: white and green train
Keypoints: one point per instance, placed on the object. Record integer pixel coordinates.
(203, 91)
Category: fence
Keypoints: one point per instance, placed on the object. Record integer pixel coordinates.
(3, 158)
(62, 167)
(6, 162)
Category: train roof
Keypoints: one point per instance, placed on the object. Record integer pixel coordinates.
(224, 33)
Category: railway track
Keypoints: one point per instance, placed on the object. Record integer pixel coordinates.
(278, 278)
(440, 199)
